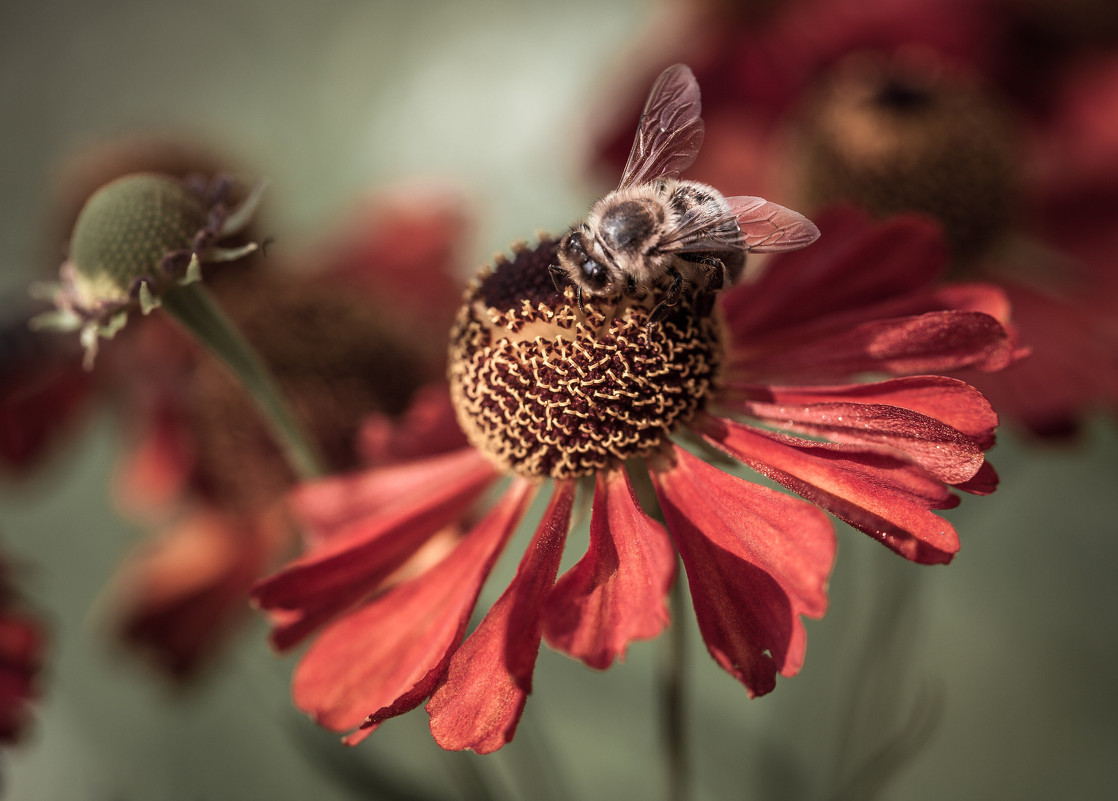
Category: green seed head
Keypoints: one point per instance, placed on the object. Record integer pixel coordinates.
(125, 229)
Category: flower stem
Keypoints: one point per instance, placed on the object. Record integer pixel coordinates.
(192, 306)
(672, 677)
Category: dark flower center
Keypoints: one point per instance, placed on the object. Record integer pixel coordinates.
(895, 137)
(545, 390)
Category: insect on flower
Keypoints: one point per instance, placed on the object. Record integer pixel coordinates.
(655, 227)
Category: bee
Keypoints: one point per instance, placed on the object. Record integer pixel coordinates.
(656, 229)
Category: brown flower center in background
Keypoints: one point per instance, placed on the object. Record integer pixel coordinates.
(545, 390)
(901, 136)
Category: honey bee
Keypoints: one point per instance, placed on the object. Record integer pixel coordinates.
(655, 228)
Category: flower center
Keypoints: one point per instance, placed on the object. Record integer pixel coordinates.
(545, 390)
(899, 136)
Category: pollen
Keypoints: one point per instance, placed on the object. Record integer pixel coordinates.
(545, 388)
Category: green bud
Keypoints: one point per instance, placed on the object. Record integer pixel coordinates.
(126, 228)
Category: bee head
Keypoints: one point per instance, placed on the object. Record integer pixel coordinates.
(582, 269)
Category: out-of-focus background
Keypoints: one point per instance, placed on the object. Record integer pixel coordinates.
(1007, 656)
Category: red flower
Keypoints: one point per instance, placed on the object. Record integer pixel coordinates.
(545, 393)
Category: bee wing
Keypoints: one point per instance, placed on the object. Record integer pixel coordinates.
(769, 228)
(670, 131)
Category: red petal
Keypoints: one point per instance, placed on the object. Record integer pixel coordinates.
(984, 482)
(948, 400)
(354, 561)
(177, 596)
(615, 594)
(924, 343)
(156, 472)
(328, 506)
(387, 656)
(860, 262)
(756, 560)
(949, 455)
(478, 704)
(876, 493)
(429, 427)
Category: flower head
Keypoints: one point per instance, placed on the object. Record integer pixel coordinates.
(815, 374)
(136, 238)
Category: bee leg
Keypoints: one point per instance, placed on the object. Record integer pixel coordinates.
(558, 277)
(717, 277)
(716, 280)
(662, 309)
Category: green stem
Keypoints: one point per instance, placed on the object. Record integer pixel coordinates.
(672, 678)
(192, 306)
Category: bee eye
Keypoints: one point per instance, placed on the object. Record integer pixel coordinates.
(594, 274)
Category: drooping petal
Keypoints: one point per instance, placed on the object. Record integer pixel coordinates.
(885, 497)
(479, 701)
(615, 594)
(353, 562)
(23, 647)
(386, 657)
(43, 390)
(756, 560)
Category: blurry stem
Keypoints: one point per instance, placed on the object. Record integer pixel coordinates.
(673, 673)
(192, 306)
(672, 677)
